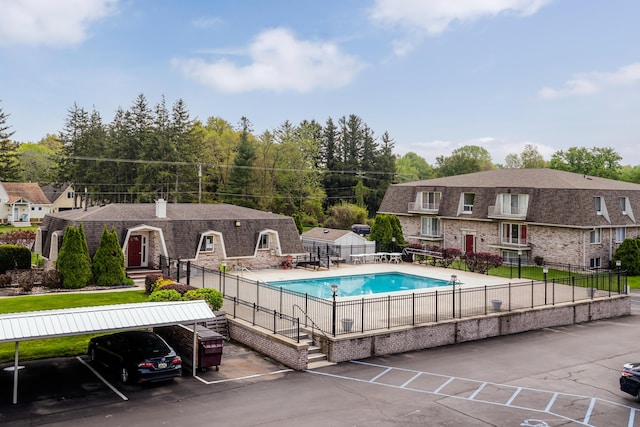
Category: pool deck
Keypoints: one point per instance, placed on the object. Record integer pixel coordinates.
(464, 278)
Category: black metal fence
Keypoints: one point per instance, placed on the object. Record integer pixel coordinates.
(285, 312)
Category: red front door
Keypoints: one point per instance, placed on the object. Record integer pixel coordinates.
(469, 243)
(134, 251)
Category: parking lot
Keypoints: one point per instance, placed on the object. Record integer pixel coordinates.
(564, 376)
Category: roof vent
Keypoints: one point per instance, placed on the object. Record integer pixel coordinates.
(161, 208)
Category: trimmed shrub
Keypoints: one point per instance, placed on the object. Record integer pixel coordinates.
(150, 282)
(51, 279)
(211, 296)
(5, 280)
(73, 261)
(165, 295)
(108, 261)
(26, 283)
(178, 287)
(628, 253)
(14, 257)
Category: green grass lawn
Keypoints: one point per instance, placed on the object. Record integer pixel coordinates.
(66, 346)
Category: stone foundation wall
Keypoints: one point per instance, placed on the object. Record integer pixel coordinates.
(286, 351)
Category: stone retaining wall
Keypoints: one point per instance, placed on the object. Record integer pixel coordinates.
(278, 347)
(408, 338)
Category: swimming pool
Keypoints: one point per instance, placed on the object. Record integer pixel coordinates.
(360, 284)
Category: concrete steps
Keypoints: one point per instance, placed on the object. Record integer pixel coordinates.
(315, 359)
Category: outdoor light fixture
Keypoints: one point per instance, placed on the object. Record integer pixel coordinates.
(453, 279)
(618, 263)
(237, 223)
(334, 290)
(545, 270)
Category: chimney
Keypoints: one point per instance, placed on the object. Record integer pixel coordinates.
(161, 208)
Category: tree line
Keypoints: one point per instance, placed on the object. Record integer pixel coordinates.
(308, 169)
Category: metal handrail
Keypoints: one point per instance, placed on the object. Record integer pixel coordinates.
(314, 326)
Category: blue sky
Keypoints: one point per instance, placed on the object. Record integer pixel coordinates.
(435, 74)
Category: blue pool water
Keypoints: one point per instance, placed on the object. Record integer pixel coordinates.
(361, 284)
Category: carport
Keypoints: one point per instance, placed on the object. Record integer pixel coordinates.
(16, 327)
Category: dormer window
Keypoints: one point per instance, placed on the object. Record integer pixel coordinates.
(597, 201)
(431, 200)
(207, 244)
(467, 202)
(514, 204)
(264, 241)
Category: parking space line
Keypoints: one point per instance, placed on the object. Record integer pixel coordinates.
(551, 402)
(226, 380)
(586, 419)
(478, 390)
(379, 375)
(513, 397)
(589, 411)
(444, 385)
(107, 383)
(412, 378)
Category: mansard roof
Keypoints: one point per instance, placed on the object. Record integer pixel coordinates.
(555, 197)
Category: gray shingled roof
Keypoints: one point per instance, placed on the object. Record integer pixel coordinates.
(182, 226)
(527, 178)
(326, 234)
(555, 197)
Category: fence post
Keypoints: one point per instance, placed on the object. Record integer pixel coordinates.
(532, 294)
(275, 321)
(388, 311)
(362, 316)
(486, 300)
(189, 273)
(436, 319)
(509, 296)
(178, 270)
(413, 309)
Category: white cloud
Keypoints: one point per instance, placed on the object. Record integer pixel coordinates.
(278, 61)
(51, 23)
(206, 22)
(433, 17)
(589, 84)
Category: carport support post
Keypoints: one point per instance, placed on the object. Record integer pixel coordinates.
(195, 349)
(15, 374)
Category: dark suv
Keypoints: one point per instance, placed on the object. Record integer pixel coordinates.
(361, 229)
(630, 379)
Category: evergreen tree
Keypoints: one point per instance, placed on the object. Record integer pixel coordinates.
(73, 263)
(628, 253)
(108, 261)
(240, 186)
(9, 166)
(382, 232)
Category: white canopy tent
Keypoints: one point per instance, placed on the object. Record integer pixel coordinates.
(16, 327)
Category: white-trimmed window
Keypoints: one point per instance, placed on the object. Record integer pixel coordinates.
(621, 234)
(514, 234)
(597, 202)
(595, 236)
(264, 241)
(595, 263)
(207, 244)
(430, 226)
(467, 202)
(431, 200)
(514, 204)
(623, 203)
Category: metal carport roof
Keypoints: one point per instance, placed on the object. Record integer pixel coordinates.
(16, 327)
